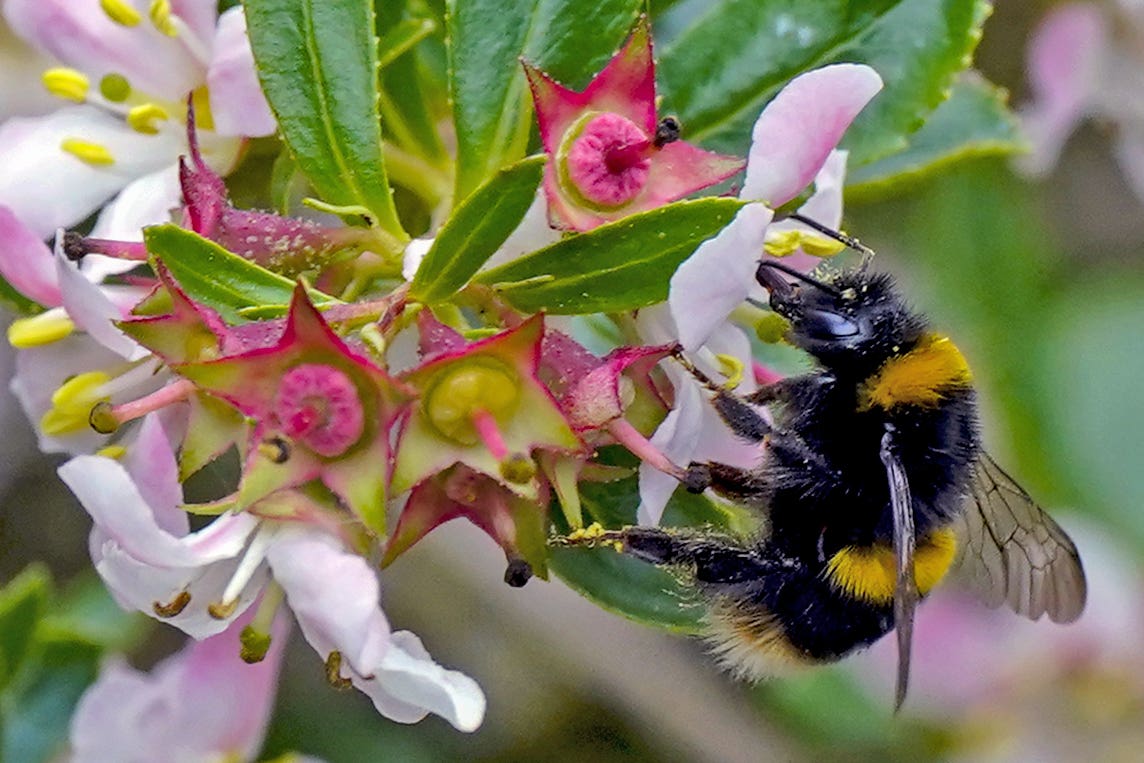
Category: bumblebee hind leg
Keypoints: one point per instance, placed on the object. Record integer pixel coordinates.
(713, 560)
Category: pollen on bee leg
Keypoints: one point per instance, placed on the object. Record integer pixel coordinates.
(173, 607)
(334, 671)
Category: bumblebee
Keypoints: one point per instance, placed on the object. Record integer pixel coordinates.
(872, 485)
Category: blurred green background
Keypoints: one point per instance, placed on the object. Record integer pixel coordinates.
(1042, 284)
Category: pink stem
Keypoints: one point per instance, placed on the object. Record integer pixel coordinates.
(161, 398)
(490, 433)
(630, 437)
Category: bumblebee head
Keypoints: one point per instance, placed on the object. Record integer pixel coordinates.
(853, 322)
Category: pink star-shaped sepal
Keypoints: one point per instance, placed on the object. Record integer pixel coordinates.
(320, 411)
(482, 405)
(609, 156)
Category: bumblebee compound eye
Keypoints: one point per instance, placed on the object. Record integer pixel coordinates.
(826, 325)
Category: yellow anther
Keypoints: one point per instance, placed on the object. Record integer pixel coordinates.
(69, 84)
(115, 88)
(732, 368)
(201, 100)
(112, 451)
(160, 13)
(39, 330)
(88, 151)
(121, 12)
(72, 403)
(821, 246)
(143, 117)
(782, 244)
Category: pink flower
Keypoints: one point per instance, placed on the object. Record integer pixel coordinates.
(203, 703)
(127, 71)
(201, 581)
(608, 155)
(1084, 61)
(791, 144)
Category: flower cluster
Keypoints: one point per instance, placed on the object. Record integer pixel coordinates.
(361, 418)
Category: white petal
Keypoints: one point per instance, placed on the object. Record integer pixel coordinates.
(798, 129)
(145, 201)
(676, 438)
(92, 310)
(718, 276)
(533, 233)
(114, 502)
(237, 103)
(48, 188)
(414, 253)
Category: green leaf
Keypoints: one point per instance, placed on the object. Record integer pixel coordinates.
(17, 302)
(475, 229)
(217, 278)
(36, 717)
(719, 73)
(86, 612)
(413, 101)
(318, 64)
(402, 37)
(23, 602)
(570, 39)
(975, 121)
(617, 267)
(625, 585)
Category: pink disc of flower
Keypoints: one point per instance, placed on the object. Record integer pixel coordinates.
(608, 162)
(319, 405)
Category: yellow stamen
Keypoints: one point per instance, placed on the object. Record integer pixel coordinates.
(66, 83)
(788, 242)
(160, 13)
(201, 100)
(821, 246)
(782, 244)
(40, 330)
(121, 12)
(143, 117)
(732, 368)
(72, 403)
(87, 151)
(115, 88)
(112, 451)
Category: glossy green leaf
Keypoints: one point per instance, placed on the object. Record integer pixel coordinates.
(625, 585)
(214, 276)
(23, 602)
(475, 229)
(571, 39)
(975, 121)
(318, 63)
(621, 266)
(720, 72)
(402, 37)
(413, 100)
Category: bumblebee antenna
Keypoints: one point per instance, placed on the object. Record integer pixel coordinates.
(842, 238)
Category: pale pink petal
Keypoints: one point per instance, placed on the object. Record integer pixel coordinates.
(82, 36)
(1064, 66)
(203, 703)
(675, 437)
(718, 276)
(151, 463)
(407, 683)
(797, 130)
(26, 262)
(20, 65)
(139, 586)
(114, 502)
(145, 201)
(48, 188)
(825, 204)
(237, 102)
(92, 310)
(334, 595)
(200, 16)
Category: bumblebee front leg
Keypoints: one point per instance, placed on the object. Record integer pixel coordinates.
(736, 413)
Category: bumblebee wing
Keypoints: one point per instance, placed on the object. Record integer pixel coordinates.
(1012, 552)
(905, 587)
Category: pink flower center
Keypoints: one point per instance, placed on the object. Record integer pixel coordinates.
(319, 406)
(609, 161)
